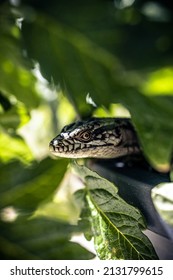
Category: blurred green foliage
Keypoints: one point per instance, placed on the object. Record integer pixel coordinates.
(56, 58)
(162, 196)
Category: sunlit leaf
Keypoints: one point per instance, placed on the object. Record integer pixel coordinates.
(162, 196)
(117, 226)
(160, 82)
(14, 148)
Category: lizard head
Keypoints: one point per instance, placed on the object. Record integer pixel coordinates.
(95, 138)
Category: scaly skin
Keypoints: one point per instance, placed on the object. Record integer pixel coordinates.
(96, 138)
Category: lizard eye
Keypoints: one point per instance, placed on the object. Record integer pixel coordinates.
(84, 136)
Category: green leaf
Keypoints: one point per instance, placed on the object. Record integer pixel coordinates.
(85, 215)
(5, 103)
(39, 238)
(162, 196)
(117, 226)
(16, 78)
(24, 187)
(17, 115)
(77, 59)
(14, 148)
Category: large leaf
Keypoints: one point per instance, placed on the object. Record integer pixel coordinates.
(117, 226)
(39, 238)
(24, 187)
(86, 42)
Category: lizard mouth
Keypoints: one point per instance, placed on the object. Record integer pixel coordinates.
(78, 150)
(98, 138)
(51, 147)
